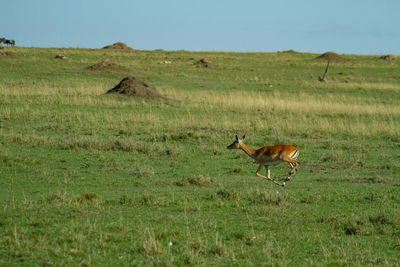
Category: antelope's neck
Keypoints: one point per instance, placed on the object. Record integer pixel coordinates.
(249, 151)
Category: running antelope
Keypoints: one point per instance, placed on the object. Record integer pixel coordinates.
(270, 155)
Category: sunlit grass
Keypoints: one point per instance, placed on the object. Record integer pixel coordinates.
(95, 179)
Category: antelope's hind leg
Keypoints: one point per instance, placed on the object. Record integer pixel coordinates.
(294, 165)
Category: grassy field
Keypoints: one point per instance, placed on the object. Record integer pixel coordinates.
(93, 179)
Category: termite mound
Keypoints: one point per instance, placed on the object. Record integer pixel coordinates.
(134, 87)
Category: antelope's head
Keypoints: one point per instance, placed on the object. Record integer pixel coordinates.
(236, 143)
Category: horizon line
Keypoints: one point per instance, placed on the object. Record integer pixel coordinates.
(198, 51)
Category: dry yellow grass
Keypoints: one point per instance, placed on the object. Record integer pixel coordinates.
(283, 102)
(299, 112)
(277, 111)
(379, 85)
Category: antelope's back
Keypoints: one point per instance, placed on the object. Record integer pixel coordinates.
(273, 152)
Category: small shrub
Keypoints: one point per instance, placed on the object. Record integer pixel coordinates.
(89, 198)
(357, 226)
(373, 180)
(124, 200)
(149, 200)
(218, 248)
(330, 219)
(197, 245)
(351, 228)
(56, 198)
(187, 136)
(120, 145)
(199, 180)
(143, 171)
(264, 197)
(150, 245)
(383, 223)
(125, 132)
(237, 170)
(172, 151)
(239, 235)
(311, 199)
(380, 219)
(182, 183)
(373, 196)
(228, 194)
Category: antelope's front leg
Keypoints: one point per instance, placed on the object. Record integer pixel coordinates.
(264, 177)
(268, 171)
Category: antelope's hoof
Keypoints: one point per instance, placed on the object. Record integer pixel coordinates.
(283, 184)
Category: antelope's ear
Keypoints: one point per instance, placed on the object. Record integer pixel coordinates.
(243, 137)
(236, 138)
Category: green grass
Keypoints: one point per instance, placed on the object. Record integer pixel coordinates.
(94, 179)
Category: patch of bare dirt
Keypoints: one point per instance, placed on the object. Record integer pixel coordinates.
(107, 66)
(390, 57)
(135, 87)
(204, 63)
(118, 45)
(331, 56)
(7, 54)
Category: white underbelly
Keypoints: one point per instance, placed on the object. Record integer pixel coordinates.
(274, 162)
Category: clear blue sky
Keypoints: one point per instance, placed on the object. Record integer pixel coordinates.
(343, 26)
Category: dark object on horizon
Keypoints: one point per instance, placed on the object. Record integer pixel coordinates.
(7, 42)
(60, 57)
(389, 57)
(290, 51)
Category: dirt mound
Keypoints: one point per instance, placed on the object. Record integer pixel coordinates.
(7, 54)
(290, 51)
(204, 63)
(107, 66)
(118, 45)
(331, 56)
(134, 86)
(389, 57)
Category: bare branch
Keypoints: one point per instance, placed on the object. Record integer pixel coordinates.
(323, 79)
